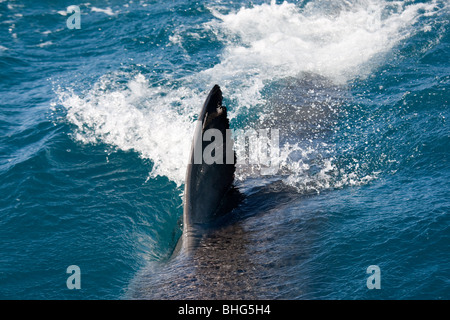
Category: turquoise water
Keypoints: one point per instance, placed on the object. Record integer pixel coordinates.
(96, 125)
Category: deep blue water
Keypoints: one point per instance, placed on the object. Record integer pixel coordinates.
(96, 125)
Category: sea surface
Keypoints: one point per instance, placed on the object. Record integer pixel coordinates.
(96, 126)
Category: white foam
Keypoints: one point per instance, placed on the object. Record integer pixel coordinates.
(262, 44)
(340, 43)
(108, 11)
(138, 118)
(44, 44)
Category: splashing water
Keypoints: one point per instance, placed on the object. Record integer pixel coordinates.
(262, 44)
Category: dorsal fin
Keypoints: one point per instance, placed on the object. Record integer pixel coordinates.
(207, 184)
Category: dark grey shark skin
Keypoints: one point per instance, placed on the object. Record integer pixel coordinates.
(206, 185)
(259, 249)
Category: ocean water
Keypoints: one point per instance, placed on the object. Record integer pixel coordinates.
(96, 126)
